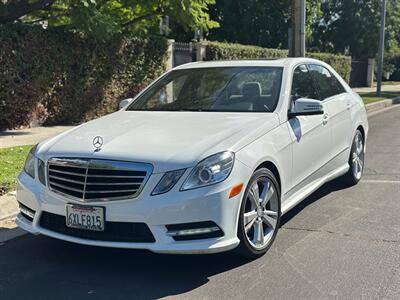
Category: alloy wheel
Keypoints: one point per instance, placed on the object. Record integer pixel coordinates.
(261, 213)
(357, 156)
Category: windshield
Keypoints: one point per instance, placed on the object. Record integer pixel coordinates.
(230, 89)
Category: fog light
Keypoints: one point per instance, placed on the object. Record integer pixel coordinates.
(194, 231)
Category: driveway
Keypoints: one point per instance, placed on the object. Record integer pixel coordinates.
(29, 136)
(340, 243)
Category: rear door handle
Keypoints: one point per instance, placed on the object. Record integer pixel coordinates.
(325, 119)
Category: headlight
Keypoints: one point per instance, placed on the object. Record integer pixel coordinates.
(167, 182)
(29, 167)
(214, 169)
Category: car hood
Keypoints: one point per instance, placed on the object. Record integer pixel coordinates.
(167, 140)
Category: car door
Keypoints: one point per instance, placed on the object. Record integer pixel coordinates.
(337, 102)
(311, 134)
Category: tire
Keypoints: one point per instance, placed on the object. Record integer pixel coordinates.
(259, 220)
(356, 160)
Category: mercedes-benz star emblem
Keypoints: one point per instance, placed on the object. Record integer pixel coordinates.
(98, 142)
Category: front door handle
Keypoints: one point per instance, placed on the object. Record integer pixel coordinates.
(325, 119)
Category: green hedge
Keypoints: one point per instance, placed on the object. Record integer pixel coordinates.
(55, 76)
(227, 51)
(341, 63)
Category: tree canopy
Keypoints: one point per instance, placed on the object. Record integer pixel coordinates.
(353, 26)
(103, 16)
(338, 26)
(262, 23)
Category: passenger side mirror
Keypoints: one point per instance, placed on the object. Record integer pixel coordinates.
(125, 103)
(306, 107)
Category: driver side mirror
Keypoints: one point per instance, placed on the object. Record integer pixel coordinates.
(306, 107)
(125, 103)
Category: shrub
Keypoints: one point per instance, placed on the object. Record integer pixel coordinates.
(341, 63)
(226, 51)
(55, 76)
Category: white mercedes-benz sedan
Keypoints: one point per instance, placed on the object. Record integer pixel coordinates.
(205, 159)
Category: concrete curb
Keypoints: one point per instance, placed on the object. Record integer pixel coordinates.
(381, 105)
(8, 206)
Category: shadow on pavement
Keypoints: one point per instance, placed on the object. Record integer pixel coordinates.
(14, 132)
(52, 269)
(323, 191)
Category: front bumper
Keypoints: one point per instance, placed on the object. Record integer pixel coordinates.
(199, 205)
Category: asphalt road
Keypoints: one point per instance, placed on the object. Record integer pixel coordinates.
(340, 243)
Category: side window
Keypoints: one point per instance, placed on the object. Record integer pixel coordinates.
(302, 84)
(327, 83)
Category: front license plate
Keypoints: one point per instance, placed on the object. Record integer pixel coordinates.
(85, 217)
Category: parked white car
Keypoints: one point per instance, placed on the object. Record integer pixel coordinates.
(206, 159)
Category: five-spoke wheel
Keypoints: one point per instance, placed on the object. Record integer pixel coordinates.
(260, 214)
(356, 160)
(358, 156)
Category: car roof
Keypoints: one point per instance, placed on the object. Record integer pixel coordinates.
(280, 62)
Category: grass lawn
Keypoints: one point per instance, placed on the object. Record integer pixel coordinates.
(371, 97)
(11, 163)
(390, 82)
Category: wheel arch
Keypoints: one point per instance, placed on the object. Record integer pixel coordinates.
(362, 130)
(273, 168)
(266, 163)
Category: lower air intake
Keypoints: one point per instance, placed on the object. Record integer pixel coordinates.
(113, 231)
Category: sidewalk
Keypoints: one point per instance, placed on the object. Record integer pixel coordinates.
(8, 206)
(29, 136)
(8, 211)
(385, 88)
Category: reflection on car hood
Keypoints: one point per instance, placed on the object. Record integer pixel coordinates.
(168, 140)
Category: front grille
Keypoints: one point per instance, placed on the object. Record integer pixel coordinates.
(113, 231)
(91, 180)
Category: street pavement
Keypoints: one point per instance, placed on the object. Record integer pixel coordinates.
(340, 243)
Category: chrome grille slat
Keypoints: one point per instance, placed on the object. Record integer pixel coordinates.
(110, 191)
(113, 176)
(108, 183)
(91, 180)
(68, 173)
(70, 166)
(66, 187)
(66, 179)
